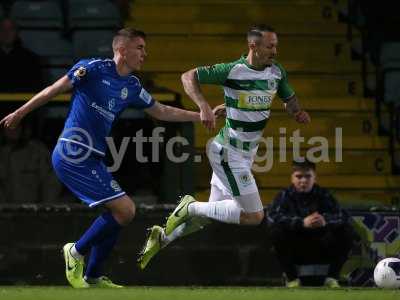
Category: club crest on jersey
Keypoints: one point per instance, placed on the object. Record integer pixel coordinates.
(115, 186)
(244, 179)
(124, 93)
(111, 104)
(272, 84)
(80, 72)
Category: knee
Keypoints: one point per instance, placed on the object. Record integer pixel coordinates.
(252, 218)
(125, 214)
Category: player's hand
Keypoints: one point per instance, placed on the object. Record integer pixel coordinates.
(302, 117)
(311, 221)
(207, 117)
(319, 221)
(308, 221)
(11, 121)
(219, 111)
(315, 220)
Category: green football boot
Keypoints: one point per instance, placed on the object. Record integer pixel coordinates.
(74, 268)
(103, 282)
(331, 283)
(151, 247)
(296, 283)
(179, 215)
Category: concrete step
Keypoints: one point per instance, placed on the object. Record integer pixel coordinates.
(348, 142)
(232, 28)
(271, 164)
(322, 124)
(351, 132)
(325, 123)
(311, 86)
(351, 104)
(222, 11)
(299, 66)
(313, 54)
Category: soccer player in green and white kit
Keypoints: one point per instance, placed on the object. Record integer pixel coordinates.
(250, 84)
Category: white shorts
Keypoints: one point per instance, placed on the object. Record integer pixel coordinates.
(232, 175)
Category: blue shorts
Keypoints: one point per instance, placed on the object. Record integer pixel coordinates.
(88, 179)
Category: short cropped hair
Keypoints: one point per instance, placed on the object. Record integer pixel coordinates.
(304, 165)
(256, 31)
(126, 34)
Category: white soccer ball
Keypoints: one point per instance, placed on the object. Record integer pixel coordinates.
(387, 273)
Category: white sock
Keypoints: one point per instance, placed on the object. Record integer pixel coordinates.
(91, 280)
(227, 211)
(75, 254)
(178, 232)
(192, 225)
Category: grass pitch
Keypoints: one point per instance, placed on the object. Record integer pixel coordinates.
(195, 293)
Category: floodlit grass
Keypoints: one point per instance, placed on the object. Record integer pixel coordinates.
(194, 293)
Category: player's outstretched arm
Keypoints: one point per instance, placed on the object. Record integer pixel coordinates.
(293, 108)
(60, 86)
(172, 114)
(192, 89)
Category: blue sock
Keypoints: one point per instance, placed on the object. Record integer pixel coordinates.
(103, 227)
(99, 254)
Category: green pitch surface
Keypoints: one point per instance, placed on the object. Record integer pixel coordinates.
(195, 293)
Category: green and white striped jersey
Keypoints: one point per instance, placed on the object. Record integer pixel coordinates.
(248, 94)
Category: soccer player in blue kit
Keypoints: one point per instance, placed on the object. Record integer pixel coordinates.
(102, 89)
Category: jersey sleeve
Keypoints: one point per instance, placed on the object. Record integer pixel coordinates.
(285, 91)
(143, 99)
(215, 74)
(80, 72)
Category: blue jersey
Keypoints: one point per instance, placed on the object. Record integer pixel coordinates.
(99, 96)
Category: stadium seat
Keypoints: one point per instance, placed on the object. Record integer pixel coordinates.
(391, 87)
(92, 43)
(390, 55)
(93, 14)
(34, 14)
(60, 52)
(390, 62)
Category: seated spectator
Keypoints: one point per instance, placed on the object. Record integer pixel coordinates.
(26, 175)
(20, 67)
(307, 226)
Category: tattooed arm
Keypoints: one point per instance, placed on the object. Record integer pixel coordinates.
(293, 108)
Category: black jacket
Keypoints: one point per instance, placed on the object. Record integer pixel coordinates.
(20, 70)
(289, 208)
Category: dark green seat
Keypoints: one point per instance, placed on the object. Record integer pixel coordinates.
(390, 64)
(49, 45)
(37, 14)
(92, 43)
(93, 14)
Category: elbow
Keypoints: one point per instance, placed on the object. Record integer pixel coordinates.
(183, 77)
(187, 78)
(187, 75)
(184, 80)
